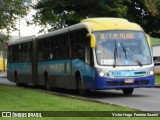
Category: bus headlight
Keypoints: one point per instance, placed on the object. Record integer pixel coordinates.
(102, 74)
(151, 73)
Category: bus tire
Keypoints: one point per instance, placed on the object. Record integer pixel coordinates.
(81, 89)
(47, 84)
(16, 79)
(128, 91)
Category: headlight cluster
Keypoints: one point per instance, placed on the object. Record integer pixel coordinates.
(150, 72)
(105, 74)
(102, 74)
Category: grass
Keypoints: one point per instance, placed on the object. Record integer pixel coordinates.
(155, 41)
(20, 99)
(157, 78)
(15, 98)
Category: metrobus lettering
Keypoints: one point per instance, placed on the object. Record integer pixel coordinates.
(126, 36)
(122, 36)
(114, 36)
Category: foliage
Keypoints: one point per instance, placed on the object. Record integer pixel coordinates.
(68, 12)
(155, 41)
(3, 48)
(147, 16)
(61, 13)
(153, 6)
(10, 11)
(3, 43)
(3, 38)
(157, 78)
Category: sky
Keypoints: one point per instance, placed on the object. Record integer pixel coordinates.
(24, 29)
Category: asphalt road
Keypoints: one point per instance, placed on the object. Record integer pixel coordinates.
(4, 81)
(146, 99)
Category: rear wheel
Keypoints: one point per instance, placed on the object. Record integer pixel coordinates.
(47, 84)
(128, 91)
(16, 79)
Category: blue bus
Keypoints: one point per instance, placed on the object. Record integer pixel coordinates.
(95, 54)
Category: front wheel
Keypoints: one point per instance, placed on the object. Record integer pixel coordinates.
(128, 91)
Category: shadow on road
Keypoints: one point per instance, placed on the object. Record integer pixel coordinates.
(99, 94)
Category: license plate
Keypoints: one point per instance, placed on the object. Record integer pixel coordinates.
(129, 81)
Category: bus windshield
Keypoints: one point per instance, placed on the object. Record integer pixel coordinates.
(122, 48)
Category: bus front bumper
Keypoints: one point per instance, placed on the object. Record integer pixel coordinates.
(121, 83)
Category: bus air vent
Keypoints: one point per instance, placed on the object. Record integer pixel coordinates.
(143, 72)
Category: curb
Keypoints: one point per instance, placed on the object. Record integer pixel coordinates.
(157, 86)
(3, 74)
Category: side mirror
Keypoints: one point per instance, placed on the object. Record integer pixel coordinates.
(92, 40)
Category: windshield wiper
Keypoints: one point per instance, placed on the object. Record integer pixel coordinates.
(124, 50)
(115, 54)
(132, 55)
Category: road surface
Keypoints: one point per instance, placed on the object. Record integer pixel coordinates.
(4, 81)
(146, 99)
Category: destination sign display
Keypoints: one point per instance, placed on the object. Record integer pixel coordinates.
(118, 36)
(121, 36)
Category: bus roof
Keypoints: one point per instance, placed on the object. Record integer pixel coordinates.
(22, 40)
(91, 24)
(64, 30)
(97, 24)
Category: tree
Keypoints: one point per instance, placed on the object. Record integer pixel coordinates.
(61, 13)
(153, 6)
(147, 16)
(3, 48)
(10, 11)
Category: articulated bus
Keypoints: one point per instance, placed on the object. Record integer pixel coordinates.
(95, 54)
